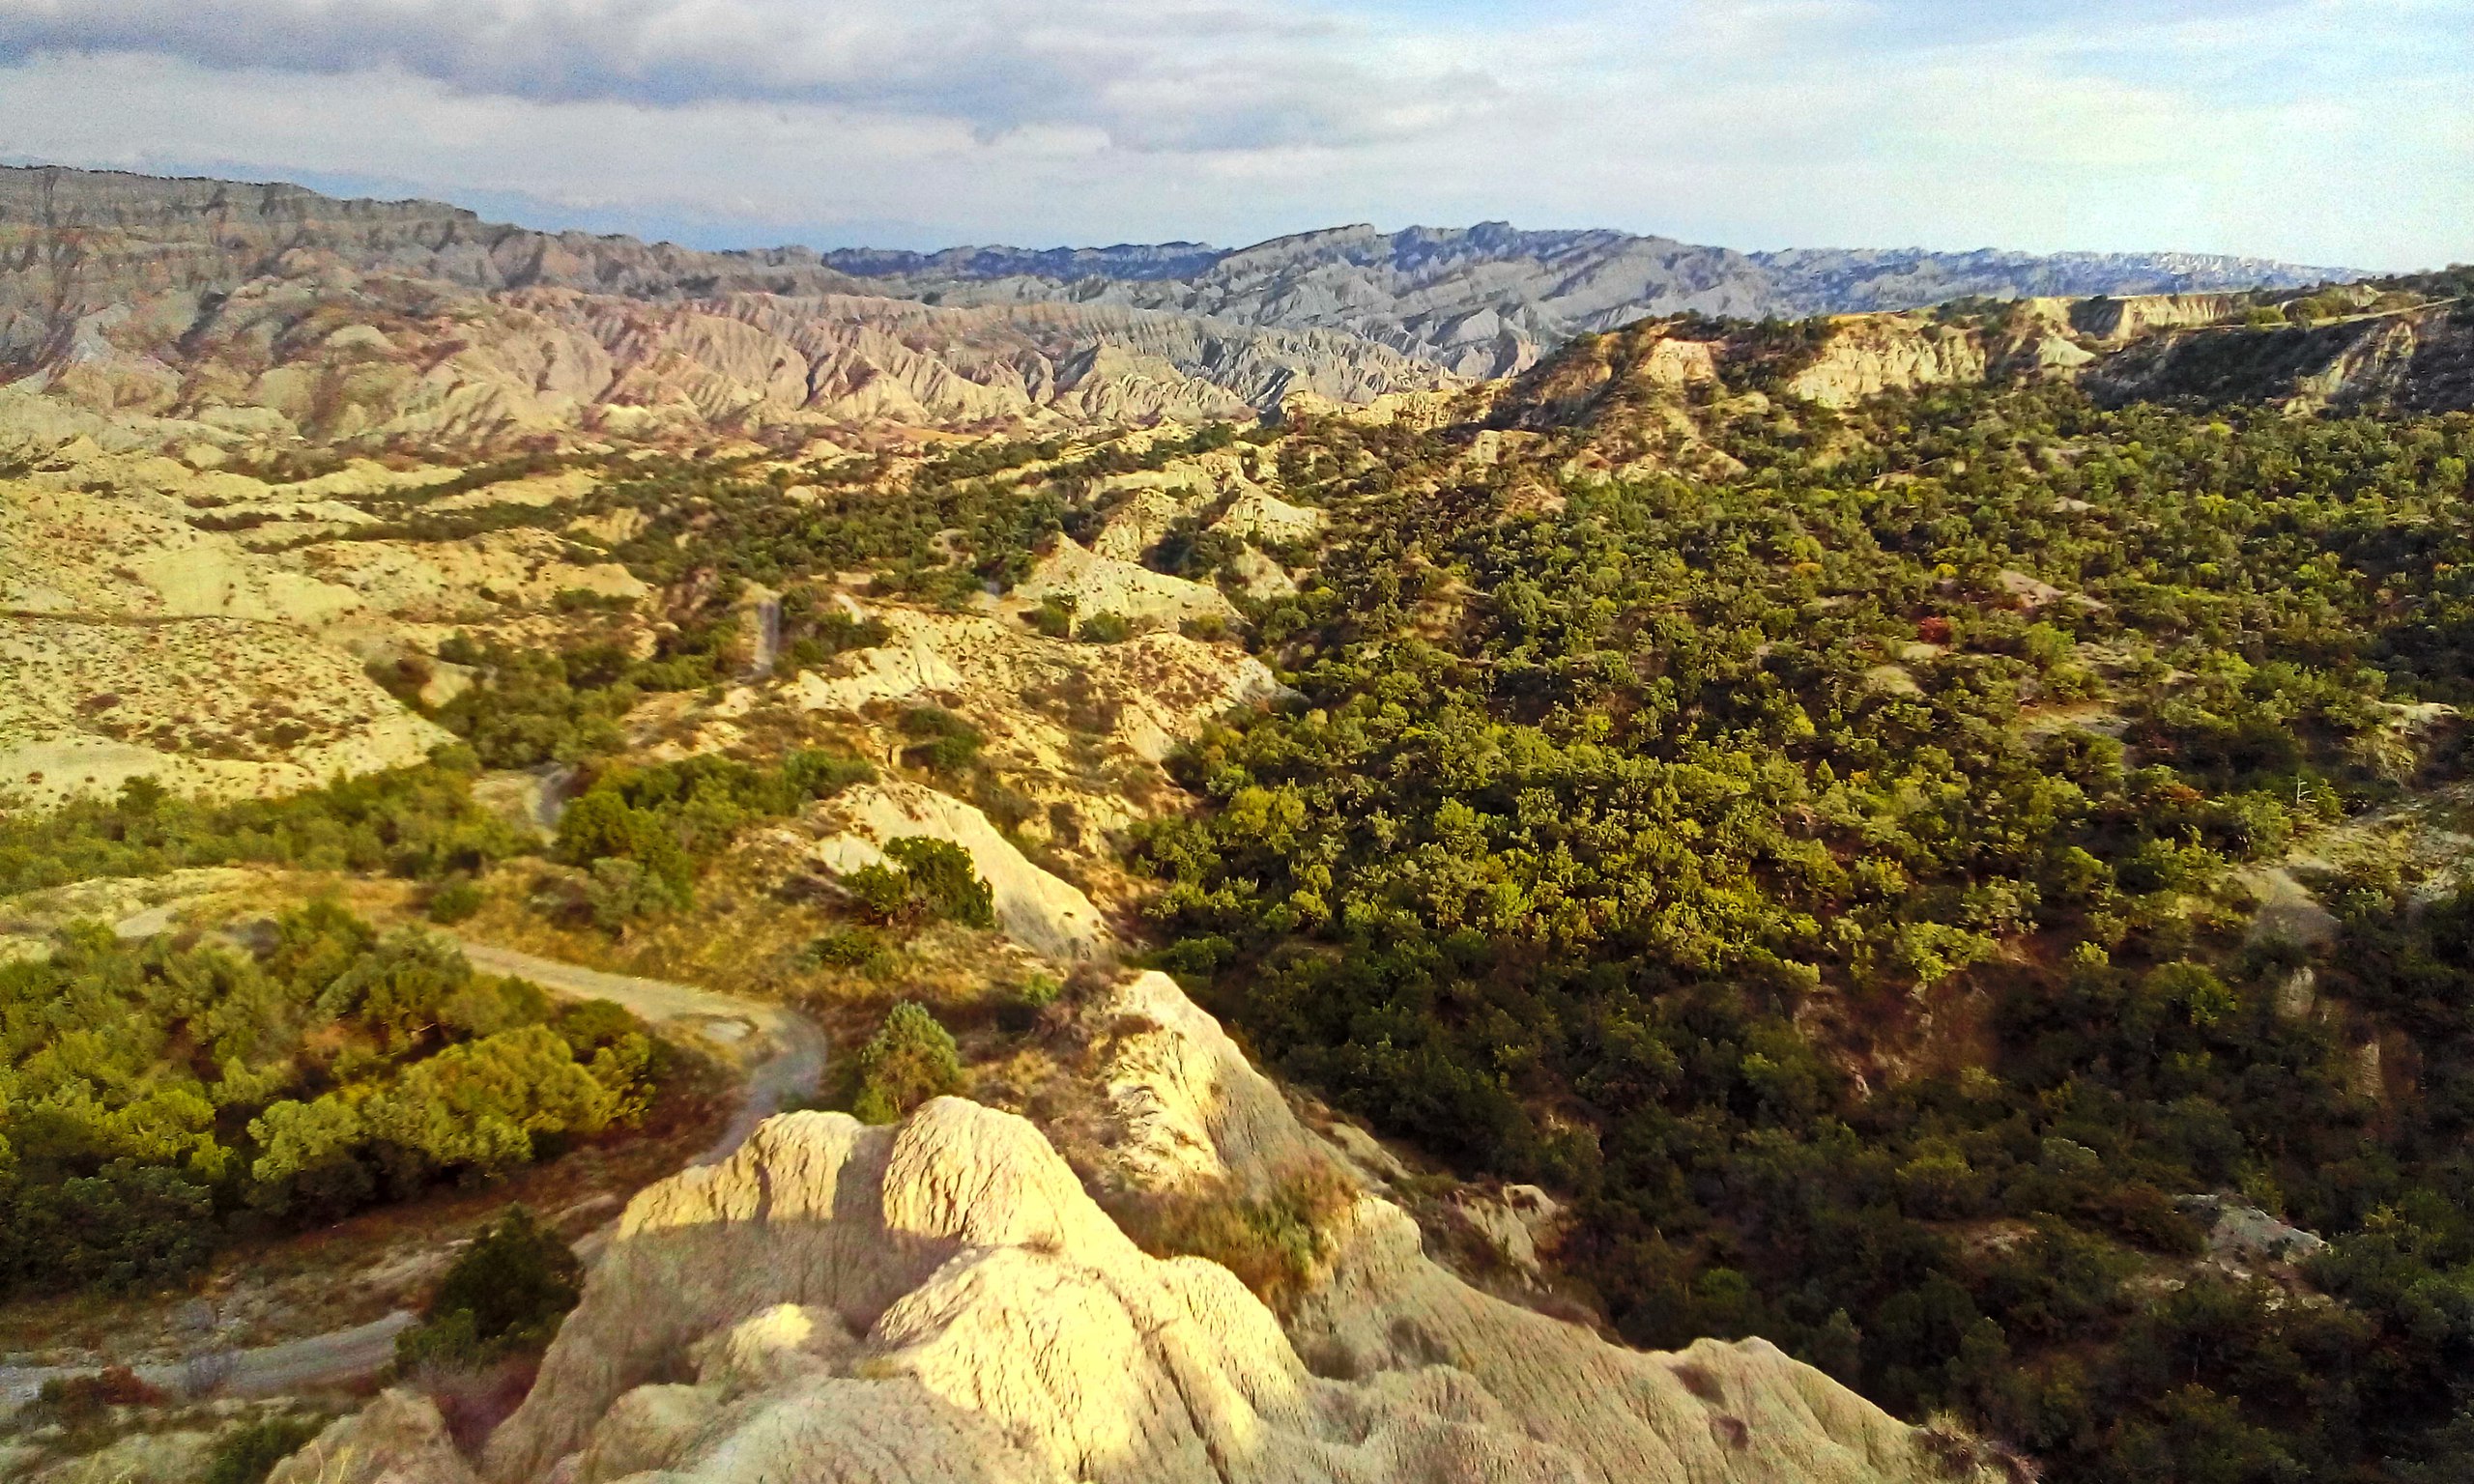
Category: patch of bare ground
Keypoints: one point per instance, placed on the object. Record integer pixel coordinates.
(758, 913)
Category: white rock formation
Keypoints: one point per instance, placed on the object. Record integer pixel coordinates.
(1139, 525)
(1152, 692)
(839, 1305)
(909, 666)
(1104, 584)
(1037, 909)
(942, 1300)
(1260, 576)
(1867, 355)
(1258, 515)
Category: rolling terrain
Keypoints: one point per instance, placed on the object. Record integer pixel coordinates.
(1434, 856)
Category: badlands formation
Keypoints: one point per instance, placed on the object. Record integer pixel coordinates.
(224, 313)
(208, 629)
(246, 452)
(946, 1299)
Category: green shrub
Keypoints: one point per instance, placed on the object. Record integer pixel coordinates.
(947, 743)
(923, 877)
(454, 900)
(247, 1454)
(1021, 1010)
(584, 600)
(910, 1060)
(505, 1294)
(1055, 616)
(881, 891)
(1105, 629)
(847, 947)
(621, 892)
(943, 879)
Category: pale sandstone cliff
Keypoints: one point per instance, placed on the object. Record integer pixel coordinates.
(2118, 320)
(1866, 357)
(1042, 912)
(943, 1301)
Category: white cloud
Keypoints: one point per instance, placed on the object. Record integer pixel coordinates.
(2323, 130)
(1163, 73)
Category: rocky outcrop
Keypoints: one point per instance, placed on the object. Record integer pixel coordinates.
(1144, 696)
(398, 1438)
(1258, 515)
(2127, 318)
(1635, 382)
(1863, 357)
(2414, 360)
(1106, 585)
(943, 1301)
(1040, 911)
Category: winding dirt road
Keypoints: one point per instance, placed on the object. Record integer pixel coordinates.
(787, 1059)
(797, 1047)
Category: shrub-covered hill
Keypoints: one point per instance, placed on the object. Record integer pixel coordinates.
(1823, 865)
(152, 1097)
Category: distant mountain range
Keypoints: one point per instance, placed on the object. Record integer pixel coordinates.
(240, 306)
(1486, 300)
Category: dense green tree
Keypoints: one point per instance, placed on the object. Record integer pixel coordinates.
(504, 1294)
(151, 1094)
(909, 1060)
(1607, 831)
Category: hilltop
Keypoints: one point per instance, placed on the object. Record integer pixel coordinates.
(224, 302)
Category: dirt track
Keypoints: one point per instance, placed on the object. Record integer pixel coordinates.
(790, 1060)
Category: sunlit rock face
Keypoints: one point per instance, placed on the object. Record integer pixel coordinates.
(942, 1299)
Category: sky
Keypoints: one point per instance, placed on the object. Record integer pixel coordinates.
(2333, 132)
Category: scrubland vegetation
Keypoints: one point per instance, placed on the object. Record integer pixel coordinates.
(1825, 874)
(1822, 850)
(155, 1100)
(418, 822)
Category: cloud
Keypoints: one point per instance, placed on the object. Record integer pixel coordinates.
(2333, 131)
(1149, 74)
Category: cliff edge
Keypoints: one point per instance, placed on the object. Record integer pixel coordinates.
(944, 1300)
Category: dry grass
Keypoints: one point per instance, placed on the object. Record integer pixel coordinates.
(1276, 1243)
(756, 912)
